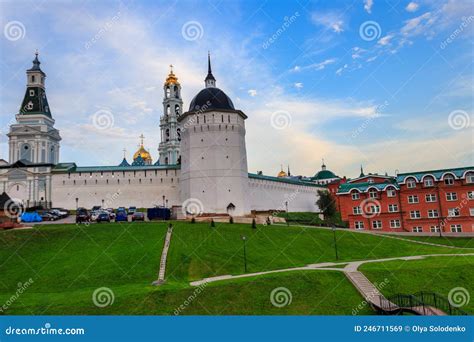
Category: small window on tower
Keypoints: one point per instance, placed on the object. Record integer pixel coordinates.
(32, 92)
(33, 79)
(29, 105)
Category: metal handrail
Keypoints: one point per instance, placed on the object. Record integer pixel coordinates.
(421, 299)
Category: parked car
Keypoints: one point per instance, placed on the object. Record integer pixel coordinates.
(138, 216)
(121, 209)
(96, 208)
(60, 214)
(121, 216)
(82, 215)
(111, 213)
(132, 210)
(104, 216)
(63, 211)
(48, 217)
(95, 214)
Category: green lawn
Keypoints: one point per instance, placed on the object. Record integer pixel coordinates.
(67, 263)
(464, 242)
(435, 274)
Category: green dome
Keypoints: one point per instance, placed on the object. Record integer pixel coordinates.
(324, 174)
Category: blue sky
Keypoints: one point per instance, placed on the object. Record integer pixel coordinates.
(386, 84)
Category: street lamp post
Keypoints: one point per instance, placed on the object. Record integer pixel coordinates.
(287, 215)
(335, 241)
(244, 238)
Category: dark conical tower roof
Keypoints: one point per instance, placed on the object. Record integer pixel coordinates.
(209, 76)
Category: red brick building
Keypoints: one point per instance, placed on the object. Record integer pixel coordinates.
(424, 201)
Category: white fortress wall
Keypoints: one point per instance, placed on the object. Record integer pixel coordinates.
(267, 194)
(140, 188)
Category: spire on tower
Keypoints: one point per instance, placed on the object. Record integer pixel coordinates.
(361, 172)
(210, 81)
(323, 166)
(289, 173)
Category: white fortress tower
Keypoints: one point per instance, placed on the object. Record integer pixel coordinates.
(214, 169)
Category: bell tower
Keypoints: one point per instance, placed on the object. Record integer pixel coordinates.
(170, 131)
(33, 137)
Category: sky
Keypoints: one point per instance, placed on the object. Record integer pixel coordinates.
(383, 84)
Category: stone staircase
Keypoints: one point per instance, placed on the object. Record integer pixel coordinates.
(370, 293)
(164, 256)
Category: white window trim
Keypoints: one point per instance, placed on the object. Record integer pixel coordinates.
(450, 194)
(398, 225)
(414, 212)
(430, 196)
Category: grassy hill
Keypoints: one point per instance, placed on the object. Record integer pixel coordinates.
(67, 263)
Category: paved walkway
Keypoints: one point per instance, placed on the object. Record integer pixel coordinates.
(365, 287)
(164, 256)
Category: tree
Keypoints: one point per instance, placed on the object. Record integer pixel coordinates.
(327, 204)
(212, 223)
(193, 220)
(231, 220)
(254, 224)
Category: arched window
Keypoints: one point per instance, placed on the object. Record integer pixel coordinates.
(470, 177)
(178, 133)
(33, 78)
(168, 110)
(176, 109)
(373, 193)
(449, 179)
(176, 92)
(428, 181)
(411, 183)
(167, 134)
(167, 92)
(25, 152)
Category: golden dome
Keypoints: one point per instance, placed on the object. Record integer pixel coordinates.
(142, 153)
(171, 79)
(282, 174)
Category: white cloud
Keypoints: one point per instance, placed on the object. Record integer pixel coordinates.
(316, 66)
(341, 69)
(385, 40)
(333, 21)
(368, 5)
(298, 85)
(252, 92)
(412, 7)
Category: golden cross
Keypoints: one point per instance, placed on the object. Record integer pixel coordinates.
(124, 153)
(142, 137)
(171, 67)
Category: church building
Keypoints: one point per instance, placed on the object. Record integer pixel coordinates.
(202, 161)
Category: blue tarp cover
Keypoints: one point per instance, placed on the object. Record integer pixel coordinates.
(31, 217)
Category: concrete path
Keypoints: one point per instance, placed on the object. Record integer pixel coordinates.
(164, 256)
(351, 266)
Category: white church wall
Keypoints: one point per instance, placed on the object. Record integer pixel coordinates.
(114, 189)
(271, 195)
